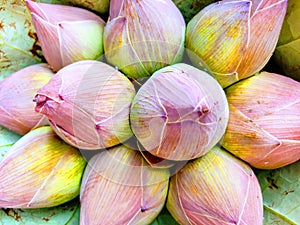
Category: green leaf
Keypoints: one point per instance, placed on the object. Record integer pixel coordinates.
(66, 214)
(164, 218)
(287, 56)
(287, 53)
(189, 8)
(7, 139)
(18, 41)
(281, 194)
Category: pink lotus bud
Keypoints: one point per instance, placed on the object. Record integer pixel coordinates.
(119, 187)
(143, 36)
(215, 189)
(264, 121)
(16, 94)
(87, 104)
(234, 39)
(180, 113)
(40, 170)
(67, 34)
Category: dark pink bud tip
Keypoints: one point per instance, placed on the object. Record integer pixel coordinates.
(40, 101)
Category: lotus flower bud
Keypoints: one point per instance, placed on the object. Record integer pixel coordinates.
(40, 170)
(67, 34)
(16, 94)
(234, 39)
(287, 53)
(19, 46)
(215, 189)
(264, 121)
(137, 48)
(87, 104)
(119, 187)
(180, 113)
(189, 8)
(7, 139)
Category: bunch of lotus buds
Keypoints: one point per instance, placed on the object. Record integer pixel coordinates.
(134, 109)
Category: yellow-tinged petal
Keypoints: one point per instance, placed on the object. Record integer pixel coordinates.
(215, 189)
(234, 39)
(80, 40)
(39, 171)
(265, 26)
(218, 36)
(119, 44)
(246, 144)
(264, 120)
(138, 49)
(119, 187)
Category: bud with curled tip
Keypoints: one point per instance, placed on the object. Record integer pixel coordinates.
(40, 170)
(235, 39)
(67, 34)
(119, 187)
(264, 120)
(143, 36)
(218, 189)
(16, 94)
(87, 104)
(180, 113)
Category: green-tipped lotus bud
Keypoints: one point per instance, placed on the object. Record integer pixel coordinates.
(19, 46)
(143, 36)
(287, 53)
(180, 113)
(7, 139)
(67, 34)
(119, 187)
(16, 94)
(215, 189)
(40, 170)
(87, 104)
(189, 8)
(264, 121)
(235, 39)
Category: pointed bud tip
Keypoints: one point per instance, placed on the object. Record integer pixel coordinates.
(40, 101)
(31, 5)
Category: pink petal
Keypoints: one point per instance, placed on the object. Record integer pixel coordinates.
(80, 40)
(47, 35)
